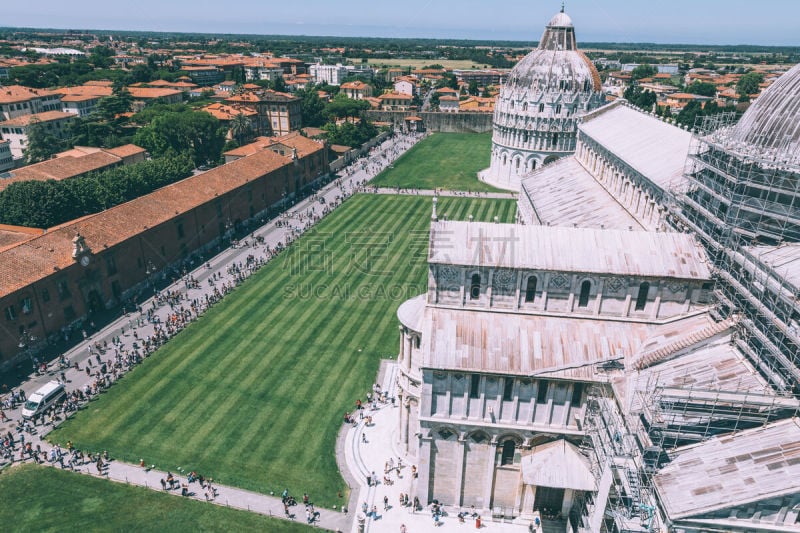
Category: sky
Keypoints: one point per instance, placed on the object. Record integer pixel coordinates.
(765, 22)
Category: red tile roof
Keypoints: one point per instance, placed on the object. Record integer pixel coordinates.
(39, 257)
(47, 116)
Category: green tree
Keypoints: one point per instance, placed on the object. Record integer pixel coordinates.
(343, 107)
(312, 107)
(749, 84)
(241, 129)
(278, 84)
(473, 88)
(119, 102)
(643, 71)
(197, 134)
(102, 56)
(42, 145)
(238, 75)
(44, 204)
(702, 88)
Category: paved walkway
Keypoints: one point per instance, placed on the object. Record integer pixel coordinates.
(293, 223)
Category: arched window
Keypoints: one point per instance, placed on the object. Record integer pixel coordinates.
(507, 456)
(525, 106)
(505, 158)
(558, 109)
(555, 139)
(475, 287)
(517, 163)
(641, 298)
(533, 166)
(530, 289)
(586, 288)
(541, 108)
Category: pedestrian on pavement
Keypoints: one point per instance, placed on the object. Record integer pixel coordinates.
(385, 503)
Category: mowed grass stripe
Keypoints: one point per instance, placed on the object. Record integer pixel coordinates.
(254, 391)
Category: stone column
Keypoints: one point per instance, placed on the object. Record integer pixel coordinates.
(423, 470)
(401, 354)
(409, 349)
(459, 495)
(487, 489)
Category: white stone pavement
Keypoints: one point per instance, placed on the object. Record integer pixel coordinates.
(291, 225)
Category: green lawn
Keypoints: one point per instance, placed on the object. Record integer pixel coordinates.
(442, 161)
(38, 498)
(253, 393)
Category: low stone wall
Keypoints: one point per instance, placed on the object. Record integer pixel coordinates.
(437, 121)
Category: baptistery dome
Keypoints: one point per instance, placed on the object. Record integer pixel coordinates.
(537, 113)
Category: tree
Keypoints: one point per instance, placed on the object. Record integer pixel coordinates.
(473, 88)
(343, 107)
(642, 99)
(44, 204)
(197, 134)
(119, 102)
(278, 84)
(643, 71)
(238, 75)
(102, 57)
(41, 145)
(702, 88)
(241, 129)
(749, 83)
(312, 107)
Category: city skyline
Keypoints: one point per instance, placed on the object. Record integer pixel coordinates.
(712, 22)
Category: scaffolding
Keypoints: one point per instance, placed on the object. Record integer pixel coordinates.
(743, 203)
(616, 451)
(675, 417)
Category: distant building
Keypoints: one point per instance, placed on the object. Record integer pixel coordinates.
(205, 76)
(481, 77)
(82, 99)
(407, 85)
(278, 113)
(330, 74)
(16, 100)
(16, 129)
(6, 159)
(448, 104)
(357, 90)
(395, 101)
(262, 72)
(226, 113)
(144, 96)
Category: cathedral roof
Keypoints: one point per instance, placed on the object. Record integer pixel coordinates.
(772, 123)
(559, 249)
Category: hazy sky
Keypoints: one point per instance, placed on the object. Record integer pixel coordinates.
(771, 22)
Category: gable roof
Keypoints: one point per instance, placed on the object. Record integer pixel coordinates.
(732, 470)
(654, 148)
(559, 249)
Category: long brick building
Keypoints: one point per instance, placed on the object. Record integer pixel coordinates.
(57, 278)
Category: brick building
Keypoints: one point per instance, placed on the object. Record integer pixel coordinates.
(53, 280)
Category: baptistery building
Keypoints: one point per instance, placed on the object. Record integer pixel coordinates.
(537, 113)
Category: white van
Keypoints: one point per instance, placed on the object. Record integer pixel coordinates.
(39, 401)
